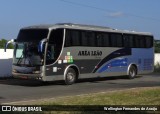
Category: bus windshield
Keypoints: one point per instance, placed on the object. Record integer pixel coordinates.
(26, 48)
(27, 54)
(32, 35)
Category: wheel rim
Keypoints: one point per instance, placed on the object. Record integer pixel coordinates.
(70, 76)
(132, 72)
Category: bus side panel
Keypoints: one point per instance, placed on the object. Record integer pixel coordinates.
(85, 58)
(144, 59)
(113, 61)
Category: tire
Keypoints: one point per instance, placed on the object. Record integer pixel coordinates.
(132, 72)
(70, 77)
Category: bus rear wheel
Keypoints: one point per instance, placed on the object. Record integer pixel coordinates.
(132, 72)
(70, 76)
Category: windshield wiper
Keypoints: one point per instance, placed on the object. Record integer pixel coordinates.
(25, 55)
(19, 59)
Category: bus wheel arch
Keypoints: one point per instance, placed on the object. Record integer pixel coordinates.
(71, 74)
(132, 71)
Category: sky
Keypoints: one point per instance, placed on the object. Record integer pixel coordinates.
(137, 15)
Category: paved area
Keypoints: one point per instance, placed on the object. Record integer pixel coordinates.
(13, 90)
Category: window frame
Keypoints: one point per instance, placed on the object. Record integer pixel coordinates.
(133, 39)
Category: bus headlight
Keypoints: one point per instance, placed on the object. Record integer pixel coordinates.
(36, 72)
(15, 71)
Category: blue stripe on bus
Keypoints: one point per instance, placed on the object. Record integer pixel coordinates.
(115, 54)
(116, 63)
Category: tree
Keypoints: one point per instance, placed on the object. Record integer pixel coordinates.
(157, 46)
(3, 42)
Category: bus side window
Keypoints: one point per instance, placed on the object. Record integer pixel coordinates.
(99, 40)
(68, 38)
(75, 38)
(52, 52)
(84, 40)
(54, 45)
(149, 42)
(103, 39)
(119, 40)
(142, 42)
(128, 41)
(139, 42)
(106, 40)
(90, 36)
(116, 40)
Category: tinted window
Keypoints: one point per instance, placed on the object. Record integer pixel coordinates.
(116, 40)
(99, 40)
(149, 41)
(90, 36)
(54, 46)
(75, 38)
(128, 41)
(84, 39)
(139, 41)
(72, 38)
(32, 35)
(142, 42)
(106, 40)
(103, 40)
(68, 38)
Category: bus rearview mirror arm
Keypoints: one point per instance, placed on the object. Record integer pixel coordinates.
(6, 45)
(40, 46)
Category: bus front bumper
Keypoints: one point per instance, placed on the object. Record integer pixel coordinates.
(27, 76)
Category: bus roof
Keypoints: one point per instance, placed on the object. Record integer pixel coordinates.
(84, 27)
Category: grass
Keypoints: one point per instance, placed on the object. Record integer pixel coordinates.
(139, 96)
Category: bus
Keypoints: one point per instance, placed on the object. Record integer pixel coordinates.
(67, 51)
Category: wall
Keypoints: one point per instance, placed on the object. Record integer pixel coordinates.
(157, 58)
(6, 62)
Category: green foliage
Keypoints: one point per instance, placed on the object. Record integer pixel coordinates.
(157, 46)
(157, 67)
(3, 42)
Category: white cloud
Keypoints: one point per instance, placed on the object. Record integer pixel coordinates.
(116, 14)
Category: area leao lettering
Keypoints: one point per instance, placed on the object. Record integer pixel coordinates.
(90, 53)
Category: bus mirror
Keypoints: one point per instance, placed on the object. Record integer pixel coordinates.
(40, 46)
(6, 45)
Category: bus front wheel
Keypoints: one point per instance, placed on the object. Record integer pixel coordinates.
(70, 76)
(132, 72)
